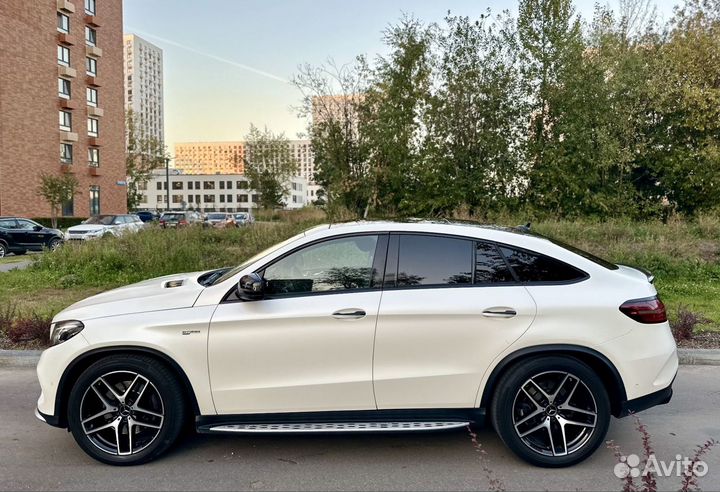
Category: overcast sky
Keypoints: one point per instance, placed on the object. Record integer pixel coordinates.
(227, 62)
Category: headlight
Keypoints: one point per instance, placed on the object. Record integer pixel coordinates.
(64, 330)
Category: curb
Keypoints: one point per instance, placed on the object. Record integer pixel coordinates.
(688, 357)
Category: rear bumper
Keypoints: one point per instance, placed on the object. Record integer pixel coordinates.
(660, 397)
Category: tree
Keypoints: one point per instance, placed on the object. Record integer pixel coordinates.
(143, 155)
(269, 164)
(473, 152)
(333, 98)
(57, 190)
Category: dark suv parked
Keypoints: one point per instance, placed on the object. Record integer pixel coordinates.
(18, 235)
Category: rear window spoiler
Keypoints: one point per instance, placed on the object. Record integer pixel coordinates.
(648, 274)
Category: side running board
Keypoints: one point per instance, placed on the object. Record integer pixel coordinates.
(310, 427)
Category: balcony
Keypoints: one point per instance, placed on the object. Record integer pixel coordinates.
(93, 51)
(68, 136)
(66, 6)
(93, 169)
(91, 81)
(93, 142)
(95, 111)
(91, 20)
(67, 72)
(66, 103)
(64, 38)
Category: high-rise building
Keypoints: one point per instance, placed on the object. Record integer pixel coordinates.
(228, 157)
(144, 86)
(71, 103)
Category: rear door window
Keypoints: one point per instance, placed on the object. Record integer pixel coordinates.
(490, 267)
(434, 260)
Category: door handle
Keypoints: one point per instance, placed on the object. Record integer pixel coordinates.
(499, 313)
(349, 313)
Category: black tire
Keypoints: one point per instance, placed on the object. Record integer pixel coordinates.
(116, 370)
(518, 396)
(54, 244)
(3, 250)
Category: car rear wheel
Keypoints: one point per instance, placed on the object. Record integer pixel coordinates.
(551, 411)
(3, 250)
(126, 409)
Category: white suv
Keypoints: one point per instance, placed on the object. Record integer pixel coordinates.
(363, 327)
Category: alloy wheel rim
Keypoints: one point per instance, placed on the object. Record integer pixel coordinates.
(554, 413)
(122, 413)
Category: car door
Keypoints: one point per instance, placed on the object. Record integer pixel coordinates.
(10, 233)
(449, 307)
(308, 344)
(30, 238)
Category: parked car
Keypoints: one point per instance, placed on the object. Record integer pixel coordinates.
(244, 218)
(19, 235)
(179, 219)
(367, 327)
(220, 220)
(147, 216)
(104, 225)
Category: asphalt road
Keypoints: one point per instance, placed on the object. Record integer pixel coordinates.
(37, 457)
(14, 265)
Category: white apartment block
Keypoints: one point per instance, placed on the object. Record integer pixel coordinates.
(227, 157)
(143, 62)
(212, 192)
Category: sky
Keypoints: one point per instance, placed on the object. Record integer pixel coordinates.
(228, 63)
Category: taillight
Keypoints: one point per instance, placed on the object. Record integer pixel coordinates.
(183, 222)
(648, 310)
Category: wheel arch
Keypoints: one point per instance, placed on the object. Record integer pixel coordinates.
(86, 359)
(598, 362)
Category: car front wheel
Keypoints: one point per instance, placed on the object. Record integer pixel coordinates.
(126, 409)
(54, 244)
(551, 411)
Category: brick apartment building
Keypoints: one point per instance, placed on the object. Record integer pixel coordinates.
(62, 104)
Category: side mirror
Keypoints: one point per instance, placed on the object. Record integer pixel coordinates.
(251, 287)
(37, 228)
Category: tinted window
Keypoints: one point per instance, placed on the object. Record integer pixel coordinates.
(338, 264)
(433, 260)
(490, 267)
(8, 223)
(534, 267)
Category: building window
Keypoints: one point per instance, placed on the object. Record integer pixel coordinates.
(222, 185)
(68, 208)
(63, 23)
(92, 96)
(90, 36)
(93, 126)
(229, 198)
(90, 7)
(177, 199)
(93, 157)
(65, 118)
(197, 185)
(63, 56)
(91, 66)
(64, 88)
(209, 198)
(190, 186)
(242, 185)
(242, 198)
(159, 185)
(190, 198)
(160, 198)
(177, 185)
(94, 200)
(208, 185)
(229, 185)
(66, 153)
(222, 198)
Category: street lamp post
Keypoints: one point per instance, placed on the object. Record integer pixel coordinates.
(167, 183)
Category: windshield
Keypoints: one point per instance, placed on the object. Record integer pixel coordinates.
(241, 216)
(250, 261)
(216, 216)
(100, 220)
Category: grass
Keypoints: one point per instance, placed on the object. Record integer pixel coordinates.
(684, 256)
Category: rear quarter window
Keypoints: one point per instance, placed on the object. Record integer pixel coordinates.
(535, 267)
